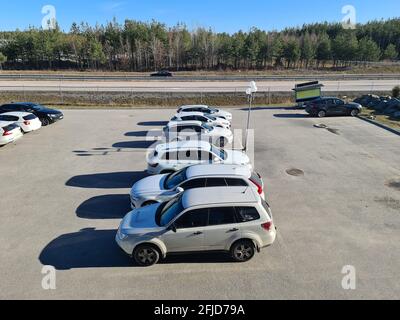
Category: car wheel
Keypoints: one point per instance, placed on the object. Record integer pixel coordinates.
(321, 114)
(222, 142)
(243, 251)
(45, 122)
(354, 113)
(146, 255)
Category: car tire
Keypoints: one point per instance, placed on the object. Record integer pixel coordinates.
(321, 114)
(354, 113)
(45, 122)
(222, 142)
(146, 255)
(243, 251)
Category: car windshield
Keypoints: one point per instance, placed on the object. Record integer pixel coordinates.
(213, 110)
(175, 179)
(168, 211)
(210, 117)
(207, 127)
(219, 152)
(36, 107)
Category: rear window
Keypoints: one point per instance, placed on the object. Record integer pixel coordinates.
(30, 117)
(232, 182)
(10, 127)
(266, 207)
(8, 118)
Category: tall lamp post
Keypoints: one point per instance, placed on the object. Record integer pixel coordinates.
(250, 92)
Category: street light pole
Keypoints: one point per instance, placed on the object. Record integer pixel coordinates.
(251, 90)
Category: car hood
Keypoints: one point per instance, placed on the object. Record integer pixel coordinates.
(237, 157)
(149, 185)
(224, 114)
(222, 132)
(141, 221)
(49, 111)
(354, 104)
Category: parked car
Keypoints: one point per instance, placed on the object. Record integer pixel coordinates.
(164, 187)
(190, 130)
(206, 118)
(206, 110)
(26, 121)
(174, 156)
(329, 106)
(46, 115)
(9, 132)
(162, 73)
(235, 220)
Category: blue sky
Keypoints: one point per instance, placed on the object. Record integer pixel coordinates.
(221, 15)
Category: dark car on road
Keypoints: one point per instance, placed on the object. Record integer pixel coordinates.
(329, 106)
(46, 115)
(162, 73)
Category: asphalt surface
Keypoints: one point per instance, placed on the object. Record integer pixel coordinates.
(65, 188)
(363, 85)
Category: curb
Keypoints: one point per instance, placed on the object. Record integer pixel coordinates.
(378, 124)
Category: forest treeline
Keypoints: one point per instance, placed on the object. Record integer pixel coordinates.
(148, 46)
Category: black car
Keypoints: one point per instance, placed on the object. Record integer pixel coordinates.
(329, 106)
(162, 73)
(46, 115)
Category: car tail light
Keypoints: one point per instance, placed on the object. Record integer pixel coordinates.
(267, 226)
(153, 165)
(259, 187)
(7, 133)
(27, 123)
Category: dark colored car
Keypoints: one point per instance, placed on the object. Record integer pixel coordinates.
(162, 73)
(46, 115)
(329, 106)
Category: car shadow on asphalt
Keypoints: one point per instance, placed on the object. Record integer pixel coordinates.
(153, 123)
(113, 180)
(270, 108)
(114, 206)
(88, 248)
(91, 248)
(150, 134)
(134, 144)
(292, 116)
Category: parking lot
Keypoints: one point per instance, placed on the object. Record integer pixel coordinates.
(65, 188)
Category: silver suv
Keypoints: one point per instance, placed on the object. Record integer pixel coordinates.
(235, 220)
(164, 187)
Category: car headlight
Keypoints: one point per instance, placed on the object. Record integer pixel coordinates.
(121, 235)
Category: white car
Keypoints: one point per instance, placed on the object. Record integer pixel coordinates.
(196, 130)
(26, 121)
(9, 132)
(164, 187)
(174, 156)
(207, 118)
(206, 110)
(233, 220)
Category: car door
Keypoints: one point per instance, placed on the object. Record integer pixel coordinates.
(189, 235)
(222, 228)
(341, 107)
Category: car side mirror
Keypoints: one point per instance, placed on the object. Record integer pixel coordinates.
(173, 228)
(180, 190)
